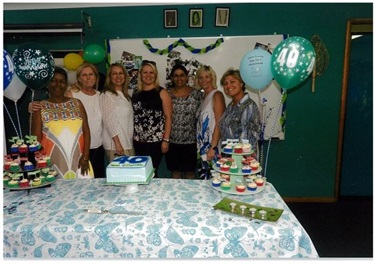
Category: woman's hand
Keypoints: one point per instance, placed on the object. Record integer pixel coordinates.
(164, 147)
(83, 164)
(34, 106)
(119, 149)
(210, 154)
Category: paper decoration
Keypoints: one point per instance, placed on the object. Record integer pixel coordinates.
(182, 42)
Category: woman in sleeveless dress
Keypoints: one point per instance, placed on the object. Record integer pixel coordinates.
(208, 116)
(152, 107)
(61, 127)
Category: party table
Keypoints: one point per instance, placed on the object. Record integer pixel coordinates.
(168, 218)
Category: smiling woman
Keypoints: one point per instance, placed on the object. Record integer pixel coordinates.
(241, 118)
(60, 113)
(117, 110)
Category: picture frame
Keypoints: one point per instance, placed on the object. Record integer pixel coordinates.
(196, 18)
(170, 18)
(222, 17)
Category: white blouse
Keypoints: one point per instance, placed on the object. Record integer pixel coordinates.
(94, 116)
(118, 119)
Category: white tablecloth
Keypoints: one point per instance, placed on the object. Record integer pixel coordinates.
(177, 220)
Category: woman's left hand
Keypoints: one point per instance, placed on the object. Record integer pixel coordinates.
(164, 147)
(83, 165)
(210, 154)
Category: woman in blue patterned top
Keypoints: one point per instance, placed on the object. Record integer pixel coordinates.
(181, 158)
(241, 119)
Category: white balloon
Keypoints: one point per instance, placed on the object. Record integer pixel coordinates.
(15, 89)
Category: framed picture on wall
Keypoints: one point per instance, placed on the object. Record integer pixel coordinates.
(196, 18)
(222, 17)
(170, 18)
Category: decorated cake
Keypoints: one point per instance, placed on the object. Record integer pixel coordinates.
(130, 170)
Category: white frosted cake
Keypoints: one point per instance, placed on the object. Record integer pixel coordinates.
(130, 169)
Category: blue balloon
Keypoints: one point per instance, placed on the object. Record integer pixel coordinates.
(8, 69)
(255, 69)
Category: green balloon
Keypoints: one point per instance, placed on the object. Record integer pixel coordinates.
(93, 53)
(292, 62)
(33, 64)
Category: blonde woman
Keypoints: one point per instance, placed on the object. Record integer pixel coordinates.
(117, 111)
(208, 117)
(152, 107)
(241, 119)
(86, 90)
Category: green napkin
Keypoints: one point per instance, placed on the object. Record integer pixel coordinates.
(259, 212)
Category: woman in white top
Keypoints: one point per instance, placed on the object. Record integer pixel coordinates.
(86, 90)
(117, 111)
(208, 116)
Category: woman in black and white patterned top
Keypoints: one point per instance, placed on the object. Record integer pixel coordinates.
(152, 107)
(181, 158)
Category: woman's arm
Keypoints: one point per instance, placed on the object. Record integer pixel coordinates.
(83, 163)
(69, 93)
(107, 107)
(37, 125)
(167, 110)
(219, 108)
(34, 106)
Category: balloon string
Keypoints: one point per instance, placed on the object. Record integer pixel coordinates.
(269, 140)
(261, 129)
(11, 120)
(18, 119)
(31, 114)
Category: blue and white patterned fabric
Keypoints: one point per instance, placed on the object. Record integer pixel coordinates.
(176, 220)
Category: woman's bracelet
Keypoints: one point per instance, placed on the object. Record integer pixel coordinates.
(166, 140)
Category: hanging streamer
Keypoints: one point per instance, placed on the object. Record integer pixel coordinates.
(182, 42)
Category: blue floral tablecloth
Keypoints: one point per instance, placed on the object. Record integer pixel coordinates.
(166, 219)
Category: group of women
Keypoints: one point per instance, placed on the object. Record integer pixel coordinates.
(80, 126)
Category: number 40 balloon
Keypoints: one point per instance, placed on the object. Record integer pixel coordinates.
(292, 62)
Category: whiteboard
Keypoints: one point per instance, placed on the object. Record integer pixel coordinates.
(225, 52)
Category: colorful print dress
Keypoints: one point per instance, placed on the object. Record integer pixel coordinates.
(205, 129)
(62, 137)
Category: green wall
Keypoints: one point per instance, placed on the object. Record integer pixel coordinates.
(304, 164)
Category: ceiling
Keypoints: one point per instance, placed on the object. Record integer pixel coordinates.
(27, 5)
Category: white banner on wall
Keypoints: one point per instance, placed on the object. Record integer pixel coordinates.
(220, 53)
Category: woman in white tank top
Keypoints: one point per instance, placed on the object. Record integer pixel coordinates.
(86, 90)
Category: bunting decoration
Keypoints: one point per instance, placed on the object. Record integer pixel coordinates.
(182, 42)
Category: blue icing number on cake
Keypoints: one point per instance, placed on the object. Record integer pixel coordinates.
(129, 169)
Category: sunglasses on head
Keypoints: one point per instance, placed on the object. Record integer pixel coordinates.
(144, 62)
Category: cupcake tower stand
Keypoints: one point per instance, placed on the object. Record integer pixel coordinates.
(239, 177)
(21, 172)
(46, 183)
